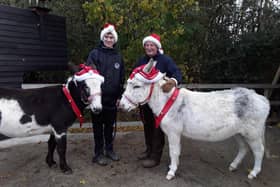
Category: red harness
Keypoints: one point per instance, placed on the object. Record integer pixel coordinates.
(150, 76)
(74, 107)
(166, 107)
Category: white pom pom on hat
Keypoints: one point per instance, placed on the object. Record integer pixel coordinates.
(155, 39)
(109, 28)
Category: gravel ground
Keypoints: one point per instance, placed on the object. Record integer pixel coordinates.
(201, 164)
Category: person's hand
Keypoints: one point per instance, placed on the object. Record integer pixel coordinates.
(166, 87)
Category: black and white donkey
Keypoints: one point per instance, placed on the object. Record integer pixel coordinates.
(52, 110)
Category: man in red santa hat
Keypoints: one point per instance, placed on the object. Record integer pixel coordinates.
(154, 137)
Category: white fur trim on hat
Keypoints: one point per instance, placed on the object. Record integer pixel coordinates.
(109, 29)
(155, 79)
(152, 39)
(89, 75)
(155, 41)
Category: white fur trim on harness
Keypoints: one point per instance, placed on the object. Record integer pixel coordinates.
(139, 77)
(108, 29)
(89, 75)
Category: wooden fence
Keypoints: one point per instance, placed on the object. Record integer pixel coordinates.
(265, 89)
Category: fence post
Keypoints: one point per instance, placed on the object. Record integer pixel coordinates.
(268, 92)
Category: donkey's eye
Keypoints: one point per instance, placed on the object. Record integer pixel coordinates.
(135, 87)
(87, 90)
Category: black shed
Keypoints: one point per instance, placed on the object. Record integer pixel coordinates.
(30, 41)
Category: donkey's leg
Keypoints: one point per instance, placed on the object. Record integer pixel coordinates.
(174, 140)
(242, 150)
(51, 147)
(257, 146)
(61, 149)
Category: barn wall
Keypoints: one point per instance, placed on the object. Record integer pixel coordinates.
(29, 42)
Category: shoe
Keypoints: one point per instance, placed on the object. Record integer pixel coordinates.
(144, 155)
(112, 155)
(149, 163)
(100, 160)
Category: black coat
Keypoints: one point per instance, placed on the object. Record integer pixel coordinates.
(165, 64)
(110, 64)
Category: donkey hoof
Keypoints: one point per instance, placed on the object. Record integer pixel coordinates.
(169, 177)
(54, 165)
(67, 171)
(251, 176)
(232, 168)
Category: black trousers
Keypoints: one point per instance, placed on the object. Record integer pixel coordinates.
(154, 137)
(103, 124)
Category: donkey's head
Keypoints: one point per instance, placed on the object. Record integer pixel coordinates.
(86, 85)
(140, 86)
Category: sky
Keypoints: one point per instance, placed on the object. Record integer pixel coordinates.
(276, 2)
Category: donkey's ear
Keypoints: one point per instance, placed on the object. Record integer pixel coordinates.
(72, 67)
(148, 67)
(154, 63)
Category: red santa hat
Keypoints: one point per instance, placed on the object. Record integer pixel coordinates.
(155, 39)
(87, 72)
(109, 28)
(148, 77)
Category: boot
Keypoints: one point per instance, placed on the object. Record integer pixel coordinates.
(150, 163)
(144, 155)
(100, 159)
(112, 155)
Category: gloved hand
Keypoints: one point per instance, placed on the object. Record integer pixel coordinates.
(166, 87)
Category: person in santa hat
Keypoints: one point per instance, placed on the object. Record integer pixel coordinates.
(110, 64)
(154, 137)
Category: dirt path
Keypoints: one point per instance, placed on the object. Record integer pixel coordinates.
(201, 164)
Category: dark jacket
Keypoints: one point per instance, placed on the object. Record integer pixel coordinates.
(110, 64)
(165, 64)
